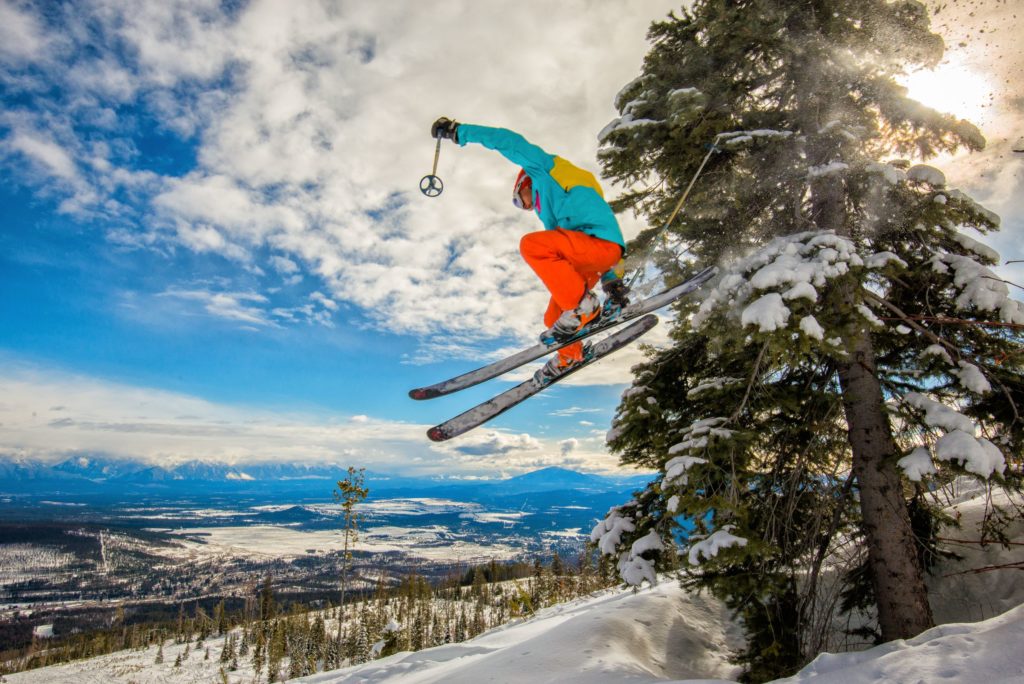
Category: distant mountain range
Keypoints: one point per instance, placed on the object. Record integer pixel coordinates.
(105, 476)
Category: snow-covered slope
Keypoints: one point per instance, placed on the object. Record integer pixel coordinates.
(606, 640)
(964, 653)
(618, 636)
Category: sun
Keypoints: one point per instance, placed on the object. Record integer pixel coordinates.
(951, 88)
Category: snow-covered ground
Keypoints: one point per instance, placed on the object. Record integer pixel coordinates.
(666, 634)
(605, 641)
(964, 653)
(654, 635)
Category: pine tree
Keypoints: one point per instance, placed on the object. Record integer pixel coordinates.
(852, 314)
(318, 643)
(227, 652)
(558, 583)
(179, 631)
(203, 623)
(259, 651)
(391, 633)
(277, 649)
(243, 647)
(268, 607)
(361, 649)
(350, 492)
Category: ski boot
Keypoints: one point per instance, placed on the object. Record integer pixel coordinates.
(558, 365)
(616, 292)
(571, 322)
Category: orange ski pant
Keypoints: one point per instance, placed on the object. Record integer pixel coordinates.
(569, 263)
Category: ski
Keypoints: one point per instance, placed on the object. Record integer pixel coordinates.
(493, 370)
(480, 414)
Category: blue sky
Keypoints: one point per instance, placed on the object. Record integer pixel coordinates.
(212, 245)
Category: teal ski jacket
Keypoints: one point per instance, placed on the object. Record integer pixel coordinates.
(564, 195)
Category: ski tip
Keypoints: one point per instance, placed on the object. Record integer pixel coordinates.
(423, 393)
(436, 434)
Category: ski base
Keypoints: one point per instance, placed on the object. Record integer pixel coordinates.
(480, 414)
(493, 370)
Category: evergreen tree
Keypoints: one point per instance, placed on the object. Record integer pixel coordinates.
(277, 649)
(391, 634)
(227, 652)
(243, 647)
(558, 572)
(179, 629)
(268, 607)
(852, 315)
(350, 492)
(259, 652)
(318, 643)
(203, 623)
(362, 645)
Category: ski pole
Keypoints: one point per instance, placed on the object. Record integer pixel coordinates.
(431, 185)
(712, 148)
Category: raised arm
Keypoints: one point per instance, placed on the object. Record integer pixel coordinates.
(510, 144)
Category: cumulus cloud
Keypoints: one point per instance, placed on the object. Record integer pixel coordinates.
(309, 121)
(54, 158)
(21, 36)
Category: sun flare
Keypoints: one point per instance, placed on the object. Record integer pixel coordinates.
(951, 88)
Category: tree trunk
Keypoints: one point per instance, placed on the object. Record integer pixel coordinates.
(902, 598)
(896, 572)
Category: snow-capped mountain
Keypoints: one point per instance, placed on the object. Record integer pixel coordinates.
(87, 473)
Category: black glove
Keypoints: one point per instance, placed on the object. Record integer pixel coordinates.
(445, 128)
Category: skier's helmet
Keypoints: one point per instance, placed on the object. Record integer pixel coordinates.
(522, 180)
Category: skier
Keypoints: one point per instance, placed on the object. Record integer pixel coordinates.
(581, 242)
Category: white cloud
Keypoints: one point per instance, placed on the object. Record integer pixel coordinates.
(245, 307)
(49, 154)
(284, 265)
(49, 415)
(574, 410)
(311, 118)
(21, 36)
(252, 310)
(495, 443)
(312, 121)
(324, 301)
